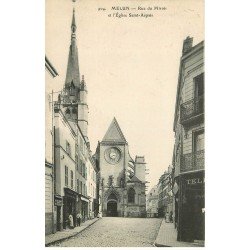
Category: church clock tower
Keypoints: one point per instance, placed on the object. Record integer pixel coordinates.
(73, 99)
(118, 176)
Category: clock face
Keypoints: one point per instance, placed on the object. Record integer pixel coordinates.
(112, 155)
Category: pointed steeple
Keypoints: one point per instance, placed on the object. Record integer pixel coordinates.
(114, 133)
(73, 74)
(73, 24)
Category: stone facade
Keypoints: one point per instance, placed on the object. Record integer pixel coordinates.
(152, 202)
(122, 179)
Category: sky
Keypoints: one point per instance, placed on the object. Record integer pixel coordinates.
(130, 66)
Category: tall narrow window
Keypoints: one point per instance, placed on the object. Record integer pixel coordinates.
(83, 170)
(66, 176)
(199, 85)
(80, 187)
(81, 145)
(199, 141)
(131, 195)
(68, 149)
(77, 162)
(72, 179)
(84, 189)
(198, 150)
(80, 167)
(199, 93)
(77, 185)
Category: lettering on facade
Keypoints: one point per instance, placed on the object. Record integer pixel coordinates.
(195, 181)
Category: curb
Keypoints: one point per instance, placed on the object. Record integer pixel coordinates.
(156, 244)
(70, 236)
(160, 245)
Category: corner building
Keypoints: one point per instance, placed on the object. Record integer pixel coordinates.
(122, 179)
(189, 151)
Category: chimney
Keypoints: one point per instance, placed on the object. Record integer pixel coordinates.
(187, 45)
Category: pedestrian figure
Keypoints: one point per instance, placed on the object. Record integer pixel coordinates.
(171, 216)
(79, 217)
(71, 223)
(166, 217)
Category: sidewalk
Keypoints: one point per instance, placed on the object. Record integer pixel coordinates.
(167, 237)
(67, 233)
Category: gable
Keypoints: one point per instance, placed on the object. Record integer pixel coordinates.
(134, 179)
(114, 133)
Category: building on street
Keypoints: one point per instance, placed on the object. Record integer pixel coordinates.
(152, 202)
(75, 169)
(189, 152)
(164, 186)
(122, 179)
(50, 74)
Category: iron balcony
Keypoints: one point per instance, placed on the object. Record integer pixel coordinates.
(192, 111)
(193, 161)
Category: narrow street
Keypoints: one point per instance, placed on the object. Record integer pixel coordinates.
(117, 232)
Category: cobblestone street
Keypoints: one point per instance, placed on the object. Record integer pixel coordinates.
(117, 232)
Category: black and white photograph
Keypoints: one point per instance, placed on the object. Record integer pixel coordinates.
(124, 123)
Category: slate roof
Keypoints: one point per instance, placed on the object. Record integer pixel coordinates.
(114, 133)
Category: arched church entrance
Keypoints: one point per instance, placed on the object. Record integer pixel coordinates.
(112, 205)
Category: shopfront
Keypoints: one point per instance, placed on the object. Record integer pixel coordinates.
(84, 208)
(58, 200)
(69, 206)
(191, 207)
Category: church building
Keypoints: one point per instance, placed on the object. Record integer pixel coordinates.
(121, 178)
(75, 169)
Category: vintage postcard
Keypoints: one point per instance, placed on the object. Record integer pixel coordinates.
(124, 154)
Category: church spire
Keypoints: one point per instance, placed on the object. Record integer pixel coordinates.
(73, 24)
(73, 74)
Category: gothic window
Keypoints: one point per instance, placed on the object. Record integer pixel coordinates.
(131, 195)
(121, 182)
(112, 196)
(111, 180)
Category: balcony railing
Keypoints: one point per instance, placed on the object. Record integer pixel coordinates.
(193, 161)
(192, 109)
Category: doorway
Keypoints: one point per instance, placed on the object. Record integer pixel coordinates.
(58, 218)
(112, 208)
